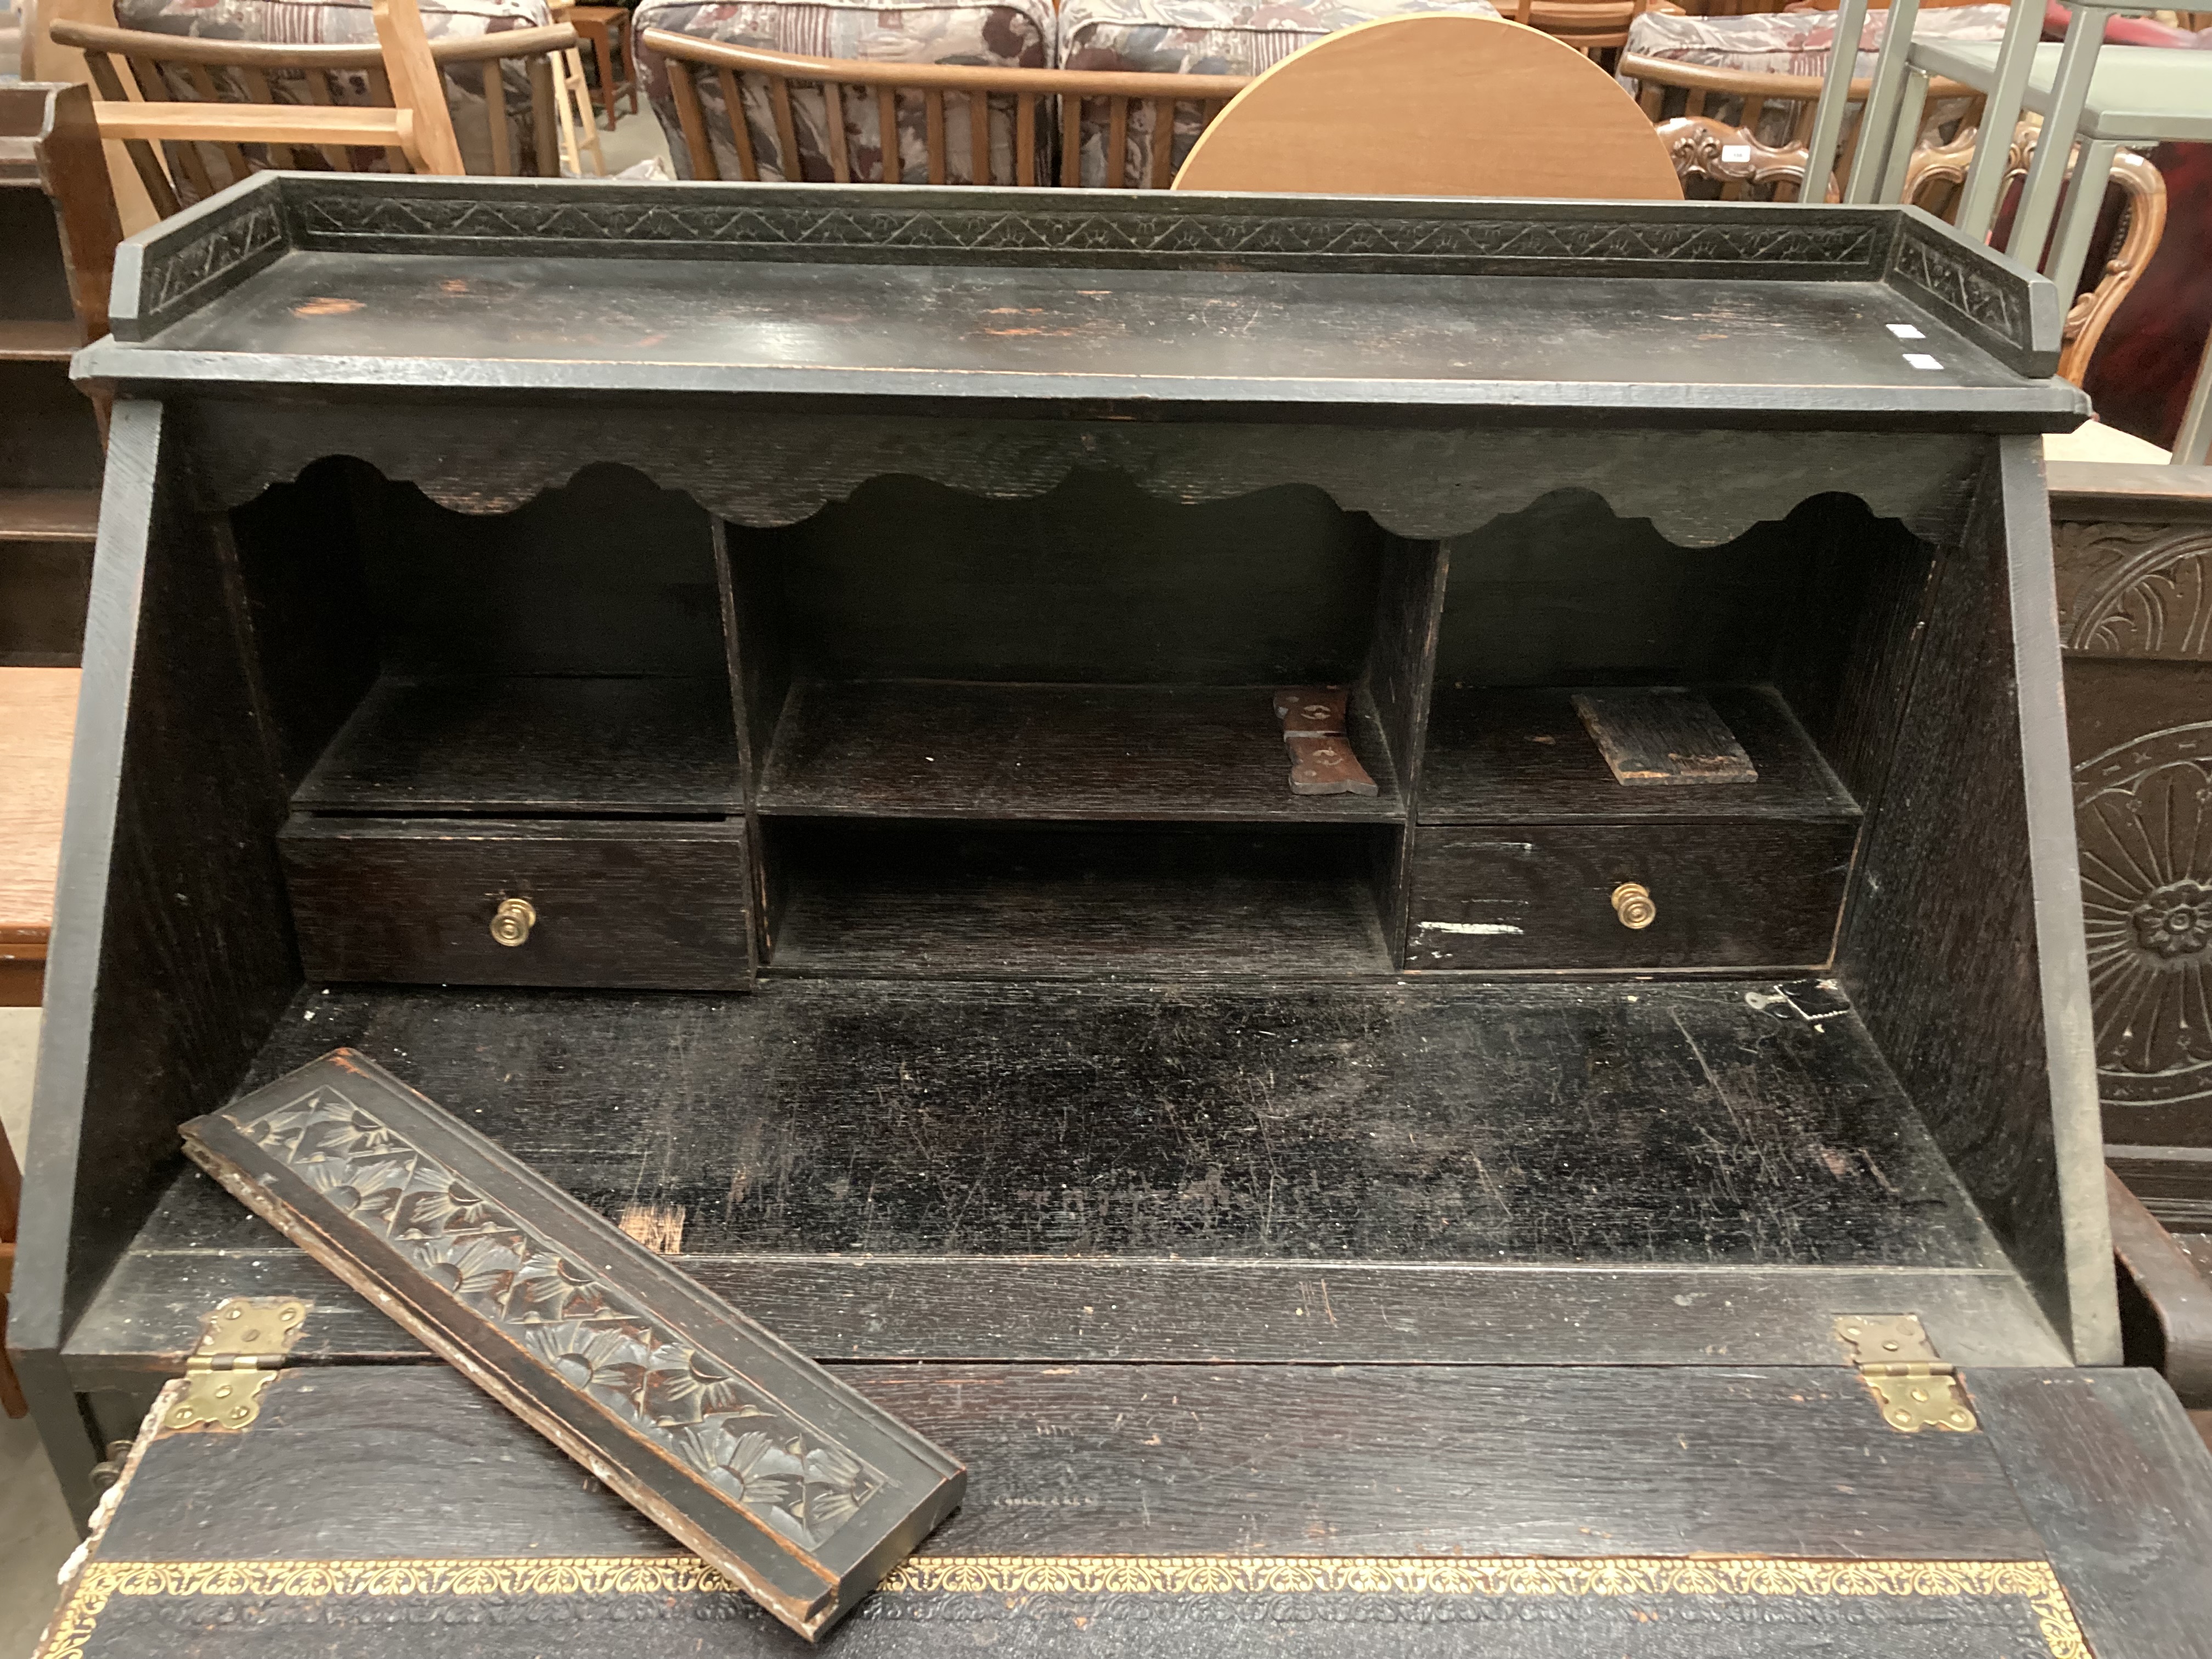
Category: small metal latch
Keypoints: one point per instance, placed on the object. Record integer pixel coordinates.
(242, 1344)
(1915, 1389)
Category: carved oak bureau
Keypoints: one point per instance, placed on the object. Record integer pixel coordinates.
(1375, 898)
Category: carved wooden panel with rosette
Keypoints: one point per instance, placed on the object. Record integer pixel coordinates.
(795, 1486)
(2135, 607)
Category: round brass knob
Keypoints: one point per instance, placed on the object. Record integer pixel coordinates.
(512, 923)
(1632, 902)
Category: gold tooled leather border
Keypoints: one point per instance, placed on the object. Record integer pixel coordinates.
(2033, 1582)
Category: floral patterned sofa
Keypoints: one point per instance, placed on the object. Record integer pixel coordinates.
(1192, 37)
(349, 23)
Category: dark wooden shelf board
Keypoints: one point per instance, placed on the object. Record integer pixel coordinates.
(49, 515)
(935, 750)
(538, 744)
(1523, 755)
(39, 341)
(1056, 903)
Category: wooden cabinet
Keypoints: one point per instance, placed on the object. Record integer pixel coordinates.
(872, 627)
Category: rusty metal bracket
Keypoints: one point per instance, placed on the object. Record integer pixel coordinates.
(1314, 730)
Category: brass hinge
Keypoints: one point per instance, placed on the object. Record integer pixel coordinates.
(1915, 1389)
(242, 1344)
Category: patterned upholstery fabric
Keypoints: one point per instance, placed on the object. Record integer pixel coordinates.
(1203, 37)
(349, 23)
(1797, 43)
(1004, 34)
(1792, 42)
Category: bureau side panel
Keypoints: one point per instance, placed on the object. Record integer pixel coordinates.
(1963, 947)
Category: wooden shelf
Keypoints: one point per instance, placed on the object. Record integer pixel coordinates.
(39, 341)
(49, 515)
(938, 749)
(1522, 756)
(1062, 902)
(531, 744)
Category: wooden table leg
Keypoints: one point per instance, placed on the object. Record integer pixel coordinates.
(603, 44)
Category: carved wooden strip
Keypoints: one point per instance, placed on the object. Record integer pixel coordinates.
(1663, 734)
(793, 1486)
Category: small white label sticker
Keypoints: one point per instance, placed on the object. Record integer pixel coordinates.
(1906, 331)
(1922, 360)
(1736, 152)
(1468, 927)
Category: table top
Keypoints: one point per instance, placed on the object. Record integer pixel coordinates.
(965, 298)
(37, 713)
(2143, 94)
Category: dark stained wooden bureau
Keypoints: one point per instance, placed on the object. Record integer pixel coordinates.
(764, 701)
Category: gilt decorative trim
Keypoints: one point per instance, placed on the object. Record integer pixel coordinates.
(1006, 1578)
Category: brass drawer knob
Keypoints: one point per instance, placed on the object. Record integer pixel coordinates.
(512, 923)
(1632, 902)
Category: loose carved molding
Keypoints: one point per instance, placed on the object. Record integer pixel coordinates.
(1698, 488)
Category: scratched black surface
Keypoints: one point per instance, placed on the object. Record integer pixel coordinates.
(1172, 325)
(1629, 1124)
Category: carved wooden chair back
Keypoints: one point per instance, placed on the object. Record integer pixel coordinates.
(759, 114)
(1435, 105)
(1941, 170)
(1747, 131)
(188, 109)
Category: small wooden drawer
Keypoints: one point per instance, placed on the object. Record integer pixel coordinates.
(1743, 894)
(635, 905)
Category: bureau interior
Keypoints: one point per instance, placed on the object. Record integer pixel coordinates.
(564, 659)
(1052, 963)
(1041, 738)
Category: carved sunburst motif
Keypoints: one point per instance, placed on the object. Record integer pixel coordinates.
(2144, 816)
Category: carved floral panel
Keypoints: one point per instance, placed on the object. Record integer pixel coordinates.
(2143, 813)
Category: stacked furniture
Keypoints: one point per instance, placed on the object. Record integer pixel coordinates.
(53, 300)
(1394, 935)
(58, 233)
(1108, 138)
(494, 72)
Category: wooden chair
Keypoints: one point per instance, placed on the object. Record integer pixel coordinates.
(411, 125)
(2142, 225)
(827, 117)
(572, 100)
(1435, 105)
(606, 31)
(1598, 29)
(1752, 151)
